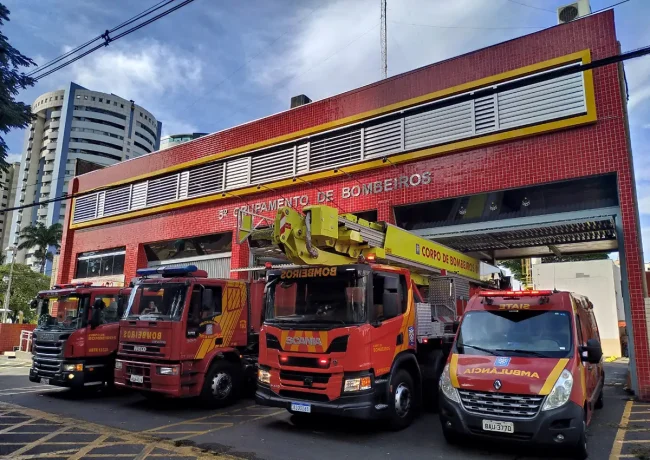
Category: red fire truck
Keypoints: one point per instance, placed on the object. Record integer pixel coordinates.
(347, 331)
(187, 335)
(75, 342)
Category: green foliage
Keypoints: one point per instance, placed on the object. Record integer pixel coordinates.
(25, 284)
(41, 237)
(13, 114)
(514, 265)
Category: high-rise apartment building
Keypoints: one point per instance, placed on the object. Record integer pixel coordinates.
(8, 185)
(73, 124)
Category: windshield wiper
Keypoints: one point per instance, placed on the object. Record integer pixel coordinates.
(484, 350)
(524, 352)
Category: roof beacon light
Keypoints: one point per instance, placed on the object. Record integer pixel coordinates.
(514, 293)
(188, 270)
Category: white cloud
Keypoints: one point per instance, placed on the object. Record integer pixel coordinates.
(337, 48)
(13, 158)
(147, 71)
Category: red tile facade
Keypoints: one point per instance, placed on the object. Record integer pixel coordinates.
(10, 335)
(579, 152)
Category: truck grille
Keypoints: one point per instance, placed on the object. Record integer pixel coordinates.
(503, 405)
(48, 355)
(302, 376)
(153, 350)
(138, 369)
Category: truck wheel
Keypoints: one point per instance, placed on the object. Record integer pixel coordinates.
(221, 384)
(580, 450)
(402, 400)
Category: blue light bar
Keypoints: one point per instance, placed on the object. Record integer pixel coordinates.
(167, 271)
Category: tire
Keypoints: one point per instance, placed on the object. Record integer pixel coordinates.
(580, 450)
(402, 400)
(599, 402)
(222, 384)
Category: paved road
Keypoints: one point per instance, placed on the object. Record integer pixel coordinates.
(128, 421)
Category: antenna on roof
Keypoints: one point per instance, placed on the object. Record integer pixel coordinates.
(382, 40)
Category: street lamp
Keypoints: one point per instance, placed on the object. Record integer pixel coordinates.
(5, 309)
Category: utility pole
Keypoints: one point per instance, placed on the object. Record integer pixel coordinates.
(382, 39)
(5, 307)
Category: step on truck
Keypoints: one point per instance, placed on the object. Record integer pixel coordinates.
(75, 342)
(186, 335)
(348, 329)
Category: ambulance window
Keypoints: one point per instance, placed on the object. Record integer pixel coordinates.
(194, 313)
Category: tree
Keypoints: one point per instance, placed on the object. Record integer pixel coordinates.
(41, 237)
(13, 114)
(25, 284)
(514, 265)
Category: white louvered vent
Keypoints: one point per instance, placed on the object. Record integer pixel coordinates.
(275, 164)
(207, 179)
(547, 100)
(85, 207)
(485, 119)
(382, 139)
(302, 160)
(139, 195)
(237, 172)
(334, 150)
(117, 200)
(436, 126)
(162, 189)
(183, 184)
(100, 203)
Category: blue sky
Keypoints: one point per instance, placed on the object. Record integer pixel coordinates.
(215, 64)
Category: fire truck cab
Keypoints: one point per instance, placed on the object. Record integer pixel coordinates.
(186, 335)
(75, 342)
(525, 366)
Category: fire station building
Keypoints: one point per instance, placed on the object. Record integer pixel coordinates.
(497, 153)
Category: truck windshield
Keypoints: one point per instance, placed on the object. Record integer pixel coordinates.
(537, 333)
(339, 299)
(65, 312)
(162, 301)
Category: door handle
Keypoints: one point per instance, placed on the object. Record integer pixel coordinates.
(400, 339)
(590, 367)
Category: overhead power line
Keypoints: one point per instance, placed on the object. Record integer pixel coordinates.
(98, 37)
(639, 52)
(531, 6)
(107, 39)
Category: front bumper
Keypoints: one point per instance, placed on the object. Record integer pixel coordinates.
(169, 385)
(362, 406)
(541, 430)
(92, 374)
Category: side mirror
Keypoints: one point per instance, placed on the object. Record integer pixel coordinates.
(33, 304)
(592, 352)
(391, 283)
(391, 305)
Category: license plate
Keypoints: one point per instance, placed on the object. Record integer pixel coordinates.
(300, 407)
(501, 427)
(139, 348)
(45, 381)
(137, 378)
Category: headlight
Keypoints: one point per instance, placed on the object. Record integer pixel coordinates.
(264, 376)
(118, 364)
(446, 387)
(167, 370)
(360, 384)
(561, 391)
(73, 367)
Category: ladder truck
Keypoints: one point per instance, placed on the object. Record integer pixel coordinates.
(358, 326)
